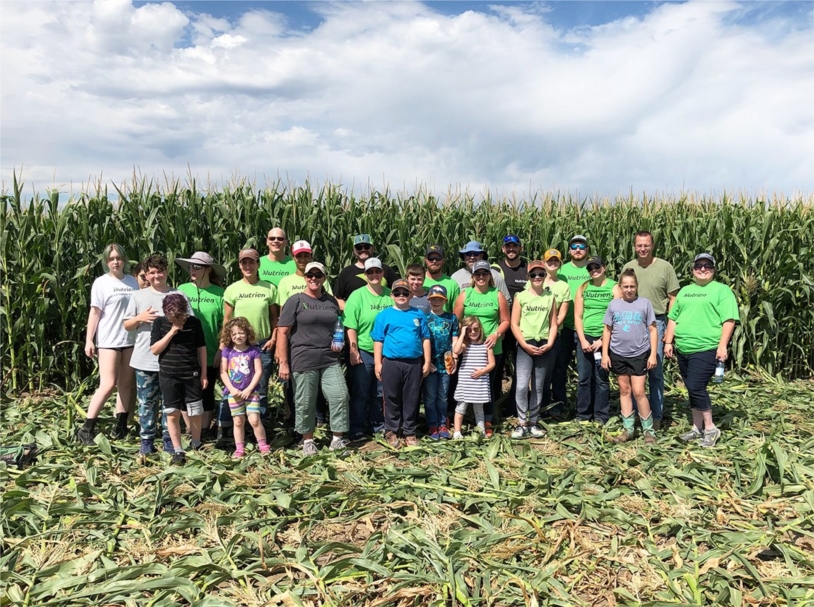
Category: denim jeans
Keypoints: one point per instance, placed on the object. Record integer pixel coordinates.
(554, 389)
(148, 398)
(531, 368)
(436, 388)
(593, 392)
(365, 397)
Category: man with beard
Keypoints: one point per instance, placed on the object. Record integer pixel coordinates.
(353, 276)
(472, 252)
(276, 264)
(434, 264)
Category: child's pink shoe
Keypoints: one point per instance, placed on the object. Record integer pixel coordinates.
(265, 449)
(238, 454)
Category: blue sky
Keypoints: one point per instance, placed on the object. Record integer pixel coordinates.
(590, 97)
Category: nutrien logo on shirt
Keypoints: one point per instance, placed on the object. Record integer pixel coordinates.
(379, 306)
(123, 289)
(696, 295)
(253, 295)
(480, 304)
(597, 295)
(203, 299)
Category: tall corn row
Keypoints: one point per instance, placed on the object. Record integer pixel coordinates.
(50, 253)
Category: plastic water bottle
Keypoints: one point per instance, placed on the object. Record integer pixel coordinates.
(719, 373)
(598, 359)
(338, 341)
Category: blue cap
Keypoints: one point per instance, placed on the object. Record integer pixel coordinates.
(361, 239)
(511, 238)
(473, 246)
(437, 291)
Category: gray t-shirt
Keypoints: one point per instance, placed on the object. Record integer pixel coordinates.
(464, 279)
(422, 303)
(142, 358)
(629, 322)
(312, 324)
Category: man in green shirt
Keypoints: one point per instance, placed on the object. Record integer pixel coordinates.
(658, 283)
(276, 264)
(295, 282)
(434, 263)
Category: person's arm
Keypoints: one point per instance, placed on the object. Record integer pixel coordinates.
(273, 320)
(258, 374)
(669, 336)
(505, 318)
(671, 299)
(552, 330)
(202, 361)
(458, 309)
(578, 326)
(341, 303)
(93, 323)
(562, 313)
(504, 290)
(617, 291)
(148, 316)
(425, 343)
(606, 335)
(353, 344)
(726, 334)
(224, 377)
(378, 348)
(159, 344)
(490, 364)
(458, 346)
(283, 371)
(653, 359)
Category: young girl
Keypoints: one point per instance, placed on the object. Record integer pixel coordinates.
(477, 360)
(629, 348)
(241, 369)
(177, 339)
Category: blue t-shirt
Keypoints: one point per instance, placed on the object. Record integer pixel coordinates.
(401, 331)
(443, 329)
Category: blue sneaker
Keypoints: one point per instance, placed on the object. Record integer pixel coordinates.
(443, 432)
(435, 433)
(147, 446)
(168, 448)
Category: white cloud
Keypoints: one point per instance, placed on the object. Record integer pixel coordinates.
(689, 96)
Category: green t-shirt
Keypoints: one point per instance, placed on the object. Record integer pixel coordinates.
(207, 303)
(293, 284)
(453, 290)
(274, 271)
(252, 302)
(655, 282)
(535, 313)
(595, 302)
(574, 276)
(486, 308)
(361, 309)
(700, 313)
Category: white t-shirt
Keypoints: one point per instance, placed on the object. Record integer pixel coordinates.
(143, 359)
(111, 296)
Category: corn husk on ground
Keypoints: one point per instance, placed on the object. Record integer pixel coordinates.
(570, 519)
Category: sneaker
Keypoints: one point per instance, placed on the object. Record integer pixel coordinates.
(339, 443)
(535, 431)
(519, 432)
(691, 435)
(457, 436)
(433, 433)
(443, 432)
(356, 437)
(85, 436)
(195, 445)
(178, 459)
(238, 454)
(168, 444)
(147, 446)
(622, 438)
(264, 449)
(392, 439)
(649, 438)
(488, 431)
(710, 437)
(309, 447)
(411, 441)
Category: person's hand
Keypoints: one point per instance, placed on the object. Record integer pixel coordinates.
(269, 344)
(425, 371)
(148, 315)
(596, 345)
(90, 349)
(175, 329)
(721, 354)
(453, 367)
(606, 363)
(668, 350)
(433, 368)
(530, 350)
(355, 357)
(477, 373)
(491, 340)
(244, 394)
(652, 361)
(283, 373)
(586, 347)
(377, 369)
(545, 348)
(204, 381)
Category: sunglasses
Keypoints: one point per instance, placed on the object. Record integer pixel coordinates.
(471, 254)
(195, 266)
(400, 293)
(537, 275)
(362, 247)
(482, 274)
(594, 268)
(435, 259)
(703, 266)
(578, 247)
(315, 275)
(276, 239)
(374, 271)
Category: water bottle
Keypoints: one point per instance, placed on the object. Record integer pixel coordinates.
(719, 373)
(338, 341)
(598, 359)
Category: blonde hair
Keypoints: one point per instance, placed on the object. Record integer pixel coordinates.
(471, 321)
(240, 323)
(106, 252)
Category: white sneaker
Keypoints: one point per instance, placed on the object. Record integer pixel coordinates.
(339, 443)
(457, 436)
(519, 432)
(535, 431)
(309, 448)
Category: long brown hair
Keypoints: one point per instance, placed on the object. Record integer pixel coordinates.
(471, 321)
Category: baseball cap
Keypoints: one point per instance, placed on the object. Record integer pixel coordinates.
(362, 239)
(704, 256)
(373, 262)
(552, 253)
(434, 248)
(481, 265)
(301, 246)
(315, 265)
(473, 246)
(511, 239)
(578, 238)
(437, 291)
(248, 254)
(595, 261)
(401, 283)
(533, 265)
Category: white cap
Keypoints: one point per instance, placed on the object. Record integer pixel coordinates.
(300, 246)
(373, 262)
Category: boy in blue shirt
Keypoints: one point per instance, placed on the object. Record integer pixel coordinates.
(443, 328)
(402, 357)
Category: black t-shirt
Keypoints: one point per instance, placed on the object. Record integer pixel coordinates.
(312, 324)
(516, 278)
(353, 277)
(180, 357)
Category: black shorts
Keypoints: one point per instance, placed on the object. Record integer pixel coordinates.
(178, 392)
(629, 365)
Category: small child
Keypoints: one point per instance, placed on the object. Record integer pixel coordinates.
(401, 354)
(443, 328)
(240, 370)
(177, 338)
(415, 278)
(473, 375)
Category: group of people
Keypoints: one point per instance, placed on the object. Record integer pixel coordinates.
(444, 340)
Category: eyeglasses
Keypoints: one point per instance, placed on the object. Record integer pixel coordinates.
(537, 275)
(374, 271)
(194, 266)
(435, 259)
(578, 247)
(400, 293)
(703, 266)
(315, 275)
(471, 254)
(362, 247)
(276, 239)
(594, 268)
(303, 254)
(482, 274)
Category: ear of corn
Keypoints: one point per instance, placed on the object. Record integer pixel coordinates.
(50, 250)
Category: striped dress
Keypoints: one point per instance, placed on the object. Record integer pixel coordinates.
(473, 390)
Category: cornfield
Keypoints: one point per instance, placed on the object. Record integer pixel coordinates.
(51, 251)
